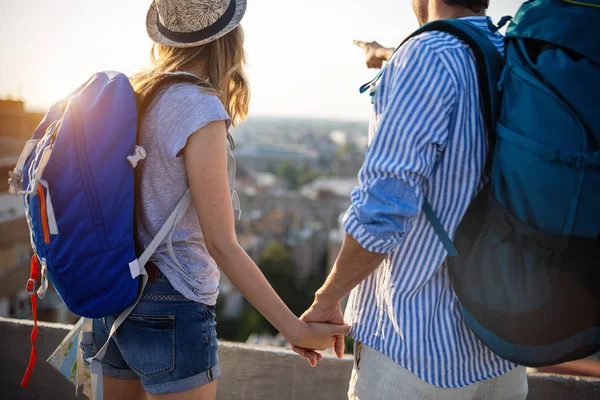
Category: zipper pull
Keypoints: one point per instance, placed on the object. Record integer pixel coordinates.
(52, 225)
(373, 92)
(41, 167)
(43, 286)
(44, 214)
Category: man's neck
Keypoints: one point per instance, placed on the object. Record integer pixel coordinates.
(439, 11)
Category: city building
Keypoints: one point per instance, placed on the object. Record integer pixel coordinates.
(15, 122)
(269, 157)
(16, 127)
(348, 161)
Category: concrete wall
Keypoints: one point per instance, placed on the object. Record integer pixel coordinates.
(249, 372)
(15, 345)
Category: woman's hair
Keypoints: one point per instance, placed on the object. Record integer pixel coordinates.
(223, 60)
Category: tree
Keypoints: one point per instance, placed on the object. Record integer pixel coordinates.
(348, 148)
(295, 178)
(277, 265)
(288, 172)
(306, 176)
(239, 329)
(270, 168)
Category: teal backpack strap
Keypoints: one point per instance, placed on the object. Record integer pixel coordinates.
(489, 60)
(439, 229)
(490, 64)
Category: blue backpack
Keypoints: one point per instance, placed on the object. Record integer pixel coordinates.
(77, 179)
(525, 262)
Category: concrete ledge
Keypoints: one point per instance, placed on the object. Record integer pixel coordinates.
(249, 372)
(15, 345)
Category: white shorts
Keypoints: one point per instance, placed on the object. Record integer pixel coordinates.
(376, 377)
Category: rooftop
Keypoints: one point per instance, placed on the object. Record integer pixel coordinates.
(249, 372)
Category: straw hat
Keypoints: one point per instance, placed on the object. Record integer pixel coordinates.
(189, 23)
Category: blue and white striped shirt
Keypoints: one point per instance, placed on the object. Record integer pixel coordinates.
(427, 138)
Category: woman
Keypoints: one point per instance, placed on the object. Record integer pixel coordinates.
(167, 348)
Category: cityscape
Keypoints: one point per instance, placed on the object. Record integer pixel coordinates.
(464, 264)
(294, 178)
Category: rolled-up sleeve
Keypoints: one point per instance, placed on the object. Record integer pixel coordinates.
(413, 106)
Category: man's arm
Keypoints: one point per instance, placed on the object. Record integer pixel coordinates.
(353, 266)
(417, 97)
(376, 53)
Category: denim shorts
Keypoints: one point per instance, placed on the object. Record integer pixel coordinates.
(168, 342)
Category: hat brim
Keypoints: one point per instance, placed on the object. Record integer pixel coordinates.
(157, 37)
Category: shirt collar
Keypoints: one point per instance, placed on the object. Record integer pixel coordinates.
(480, 21)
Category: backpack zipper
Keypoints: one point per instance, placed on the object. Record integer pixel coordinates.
(52, 225)
(43, 216)
(583, 3)
(87, 177)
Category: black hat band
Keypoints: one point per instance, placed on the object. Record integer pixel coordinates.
(202, 34)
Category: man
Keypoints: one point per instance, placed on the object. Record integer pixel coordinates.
(427, 139)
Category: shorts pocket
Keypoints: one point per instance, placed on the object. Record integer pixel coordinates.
(147, 343)
(209, 333)
(209, 323)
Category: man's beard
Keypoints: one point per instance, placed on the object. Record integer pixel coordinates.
(421, 8)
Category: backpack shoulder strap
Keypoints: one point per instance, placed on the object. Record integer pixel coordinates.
(489, 63)
(143, 103)
(165, 79)
(488, 59)
(137, 268)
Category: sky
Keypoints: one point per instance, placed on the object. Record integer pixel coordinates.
(301, 59)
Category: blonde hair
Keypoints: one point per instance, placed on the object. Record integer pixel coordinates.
(223, 60)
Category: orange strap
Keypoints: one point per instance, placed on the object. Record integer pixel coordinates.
(32, 284)
(44, 214)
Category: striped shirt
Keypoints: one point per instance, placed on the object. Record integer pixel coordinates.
(427, 138)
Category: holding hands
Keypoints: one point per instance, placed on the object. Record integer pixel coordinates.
(319, 336)
(353, 265)
(319, 316)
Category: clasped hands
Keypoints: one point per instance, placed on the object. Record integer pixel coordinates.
(328, 314)
(323, 323)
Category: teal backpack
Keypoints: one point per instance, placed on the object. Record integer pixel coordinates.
(525, 261)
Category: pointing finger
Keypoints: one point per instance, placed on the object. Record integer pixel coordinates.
(360, 44)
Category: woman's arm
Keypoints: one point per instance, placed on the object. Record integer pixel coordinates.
(205, 157)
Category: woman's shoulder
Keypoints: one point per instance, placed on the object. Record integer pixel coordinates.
(187, 102)
(180, 110)
(187, 93)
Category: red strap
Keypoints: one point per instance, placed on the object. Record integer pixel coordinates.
(43, 214)
(31, 289)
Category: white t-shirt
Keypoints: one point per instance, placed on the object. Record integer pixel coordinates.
(176, 113)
